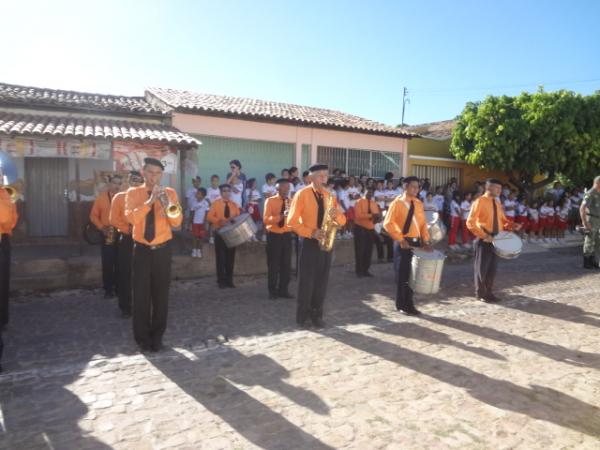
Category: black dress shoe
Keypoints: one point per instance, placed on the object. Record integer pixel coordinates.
(125, 314)
(222, 286)
(286, 295)
(319, 323)
(109, 294)
(272, 296)
(303, 325)
(368, 274)
(156, 347)
(230, 285)
(491, 298)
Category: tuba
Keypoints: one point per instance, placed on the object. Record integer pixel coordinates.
(329, 226)
(171, 209)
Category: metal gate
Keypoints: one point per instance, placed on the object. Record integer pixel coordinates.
(438, 176)
(47, 208)
(357, 162)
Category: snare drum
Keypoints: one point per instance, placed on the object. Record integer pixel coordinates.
(507, 245)
(437, 230)
(241, 230)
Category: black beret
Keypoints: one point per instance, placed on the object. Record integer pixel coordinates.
(153, 162)
(317, 167)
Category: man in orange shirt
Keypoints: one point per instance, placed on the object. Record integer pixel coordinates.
(406, 223)
(99, 216)
(279, 241)
(8, 221)
(305, 217)
(145, 209)
(221, 212)
(366, 215)
(124, 243)
(485, 221)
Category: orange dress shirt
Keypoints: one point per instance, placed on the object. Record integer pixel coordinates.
(216, 213)
(397, 214)
(117, 214)
(272, 215)
(136, 211)
(304, 210)
(362, 216)
(482, 217)
(8, 213)
(101, 210)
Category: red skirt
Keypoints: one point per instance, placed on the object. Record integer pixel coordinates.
(524, 221)
(350, 215)
(198, 230)
(534, 226)
(254, 211)
(561, 224)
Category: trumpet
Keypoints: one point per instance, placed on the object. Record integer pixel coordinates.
(171, 209)
(110, 236)
(12, 192)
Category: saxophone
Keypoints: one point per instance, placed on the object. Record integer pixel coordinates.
(329, 226)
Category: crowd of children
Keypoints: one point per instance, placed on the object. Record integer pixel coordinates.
(544, 219)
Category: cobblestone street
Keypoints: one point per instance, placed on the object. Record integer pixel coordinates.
(237, 374)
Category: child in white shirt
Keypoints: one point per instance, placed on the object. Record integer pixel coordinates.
(438, 199)
(465, 209)
(534, 221)
(379, 195)
(429, 204)
(455, 220)
(237, 190)
(269, 189)
(510, 207)
(213, 193)
(547, 221)
(199, 208)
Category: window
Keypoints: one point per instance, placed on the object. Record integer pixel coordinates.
(438, 176)
(356, 162)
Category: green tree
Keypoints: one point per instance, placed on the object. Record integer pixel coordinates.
(544, 133)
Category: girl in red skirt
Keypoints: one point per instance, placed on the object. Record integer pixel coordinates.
(253, 207)
(454, 220)
(522, 217)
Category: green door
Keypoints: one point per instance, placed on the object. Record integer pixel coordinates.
(257, 157)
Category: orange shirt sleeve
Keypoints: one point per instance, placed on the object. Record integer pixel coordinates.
(361, 210)
(216, 213)
(96, 212)
(136, 208)
(394, 217)
(340, 218)
(8, 213)
(117, 213)
(295, 216)
(272, 211)
(212, 215)
(473, 219)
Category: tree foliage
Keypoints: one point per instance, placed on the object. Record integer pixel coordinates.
(544, 133)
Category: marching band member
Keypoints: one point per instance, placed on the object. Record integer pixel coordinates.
(118, 220)
(366, 215)
(99, 216)
(8, 221)
(221, 212)
(279, 241)
(306, 216)
(485, 221)
(151, 263)
(406, 223)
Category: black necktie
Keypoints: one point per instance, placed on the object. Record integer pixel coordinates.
(321, 211)
(282, 221)
(150, 230)
(227, 213)
(368, 206)
(409, 217)
(495, 219)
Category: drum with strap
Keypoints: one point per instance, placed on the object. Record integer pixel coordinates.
(426, 272)
(241, 230)
(507, 245)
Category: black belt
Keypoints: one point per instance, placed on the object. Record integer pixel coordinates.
(413, 242)
(151, 247)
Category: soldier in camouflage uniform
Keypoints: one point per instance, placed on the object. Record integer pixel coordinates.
(590, 216)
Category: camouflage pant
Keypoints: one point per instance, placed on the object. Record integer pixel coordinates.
(591, 244)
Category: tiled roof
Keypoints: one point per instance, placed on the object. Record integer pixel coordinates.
(434, 130)
(39, 97)
(267, 111)
(79, 127)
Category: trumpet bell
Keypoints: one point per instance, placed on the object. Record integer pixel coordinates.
(174, 210)
(12, 193)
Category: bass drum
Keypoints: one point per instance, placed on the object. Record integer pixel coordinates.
(437, 230)
(240, 231)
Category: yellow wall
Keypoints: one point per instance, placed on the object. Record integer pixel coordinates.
(441, 149)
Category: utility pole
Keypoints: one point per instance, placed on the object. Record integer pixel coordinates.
(405, 100)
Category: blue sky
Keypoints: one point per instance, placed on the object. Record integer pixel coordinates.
(346, 55)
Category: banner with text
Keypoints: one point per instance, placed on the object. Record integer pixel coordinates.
(55, 148)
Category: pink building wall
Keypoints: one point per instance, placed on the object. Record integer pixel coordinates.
(246, 129)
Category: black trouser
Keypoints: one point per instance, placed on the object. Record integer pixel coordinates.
(225, 259)
(279, 262)
(124, 254)
(485, 264)
(381, 240)
(313, 275)
(363, 248)
(402, 266)
(110, 272)
(4, 278)
(151, 277)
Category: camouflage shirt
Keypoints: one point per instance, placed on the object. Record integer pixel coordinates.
(591, 200)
